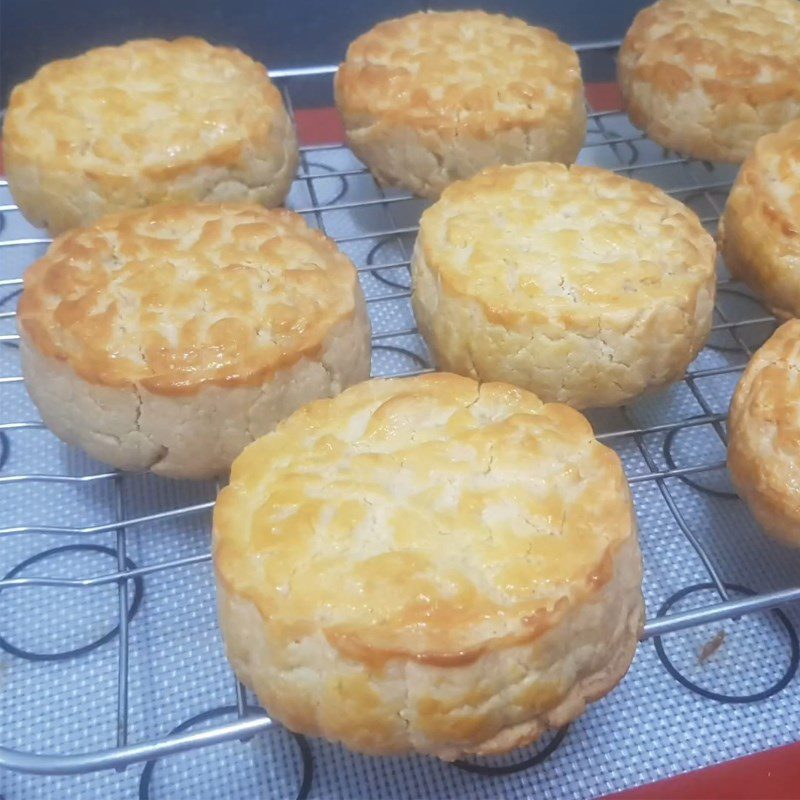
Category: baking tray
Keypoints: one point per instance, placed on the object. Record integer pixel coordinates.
(110, 659)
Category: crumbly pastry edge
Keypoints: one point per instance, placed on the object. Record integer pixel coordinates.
(38, 336)
(672, 115)
(465, 340)
(197, 435)
(506, 698)
(59, 201)
(427, 160)
(57, 197)
(759, 483)
(759, 242)
(502, 691)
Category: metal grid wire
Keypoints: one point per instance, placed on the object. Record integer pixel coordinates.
(740, 326)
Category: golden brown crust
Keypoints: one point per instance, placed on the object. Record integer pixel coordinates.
(458, 71)
(418, 558)
(146, 122)
(544, 238)
(436, 96)
(174, 298)
(708, 77)
(578, 284)
(760, 229)
(416, 530)
(764, 435)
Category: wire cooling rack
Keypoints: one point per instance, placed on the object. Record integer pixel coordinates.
(109, 654)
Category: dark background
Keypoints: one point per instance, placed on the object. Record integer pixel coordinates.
(280, 34)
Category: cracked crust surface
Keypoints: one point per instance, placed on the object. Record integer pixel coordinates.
(150, 121)
(764, 435)
(168, 338)
(583, 286)
(759, 232)
(709, 77)
(436, 96)
(428, 565)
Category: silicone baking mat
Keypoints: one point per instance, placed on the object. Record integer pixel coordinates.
(81, 681)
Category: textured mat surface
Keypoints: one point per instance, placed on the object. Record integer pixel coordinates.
(708, 695)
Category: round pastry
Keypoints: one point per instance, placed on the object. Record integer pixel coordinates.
(170, 337)
(433, 97)
(708, 77)
(428, 565)
(764, 435)
(583, 286)
(149, 122)
(759, 232)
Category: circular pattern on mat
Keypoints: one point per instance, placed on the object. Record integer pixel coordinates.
(5, 449)
(498, 766)
(741, 306)
(3, 302)
(305, 751)
(396, 277)
(623, 147)
(390, 360)
(696, 481)
(749, 631)
(317, 179)
(138, 592)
